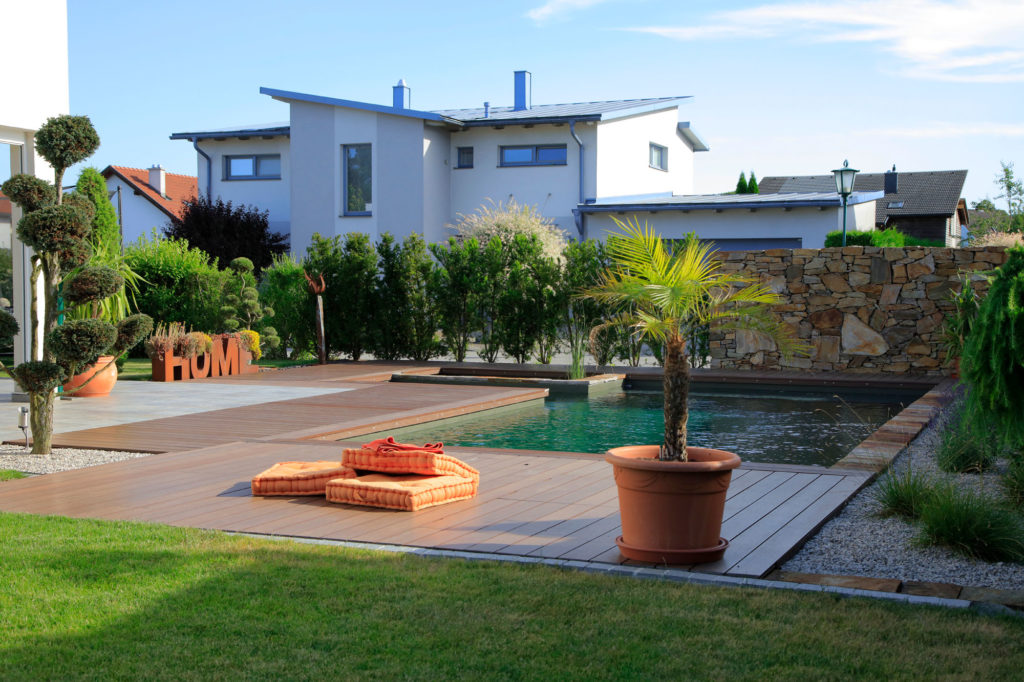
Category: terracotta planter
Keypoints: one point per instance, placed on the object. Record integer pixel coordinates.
(672, 511)
(99, 386)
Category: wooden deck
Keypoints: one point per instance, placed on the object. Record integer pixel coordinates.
(332, 416)
(530, 504)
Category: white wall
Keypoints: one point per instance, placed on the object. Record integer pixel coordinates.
(398, 177)
(554, 190)
(437, 183)
(268, 195)
(623, 156)
(810, 225)
(138, 214)
(315, 180)
(30, 96)
(35, 51)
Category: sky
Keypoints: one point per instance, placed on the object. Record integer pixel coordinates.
(780, 88)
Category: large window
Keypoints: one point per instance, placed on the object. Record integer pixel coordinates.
(357, 181)
(253, 167)
(659, 157)
(533, 155)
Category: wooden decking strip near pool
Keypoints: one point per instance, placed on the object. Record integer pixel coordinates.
(365, 408)
(535, 505)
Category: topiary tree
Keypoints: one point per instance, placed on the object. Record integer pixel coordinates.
(993, 360)
(105, 233)
(741, 184)
(242, 309)
(58, 232)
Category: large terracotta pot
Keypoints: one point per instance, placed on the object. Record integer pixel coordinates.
(672, 511)
(99, 386)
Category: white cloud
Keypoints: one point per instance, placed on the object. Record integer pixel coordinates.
(954, 40)
(556, 7)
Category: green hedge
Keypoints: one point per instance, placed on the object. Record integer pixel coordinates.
(883, 238)
(181, 284)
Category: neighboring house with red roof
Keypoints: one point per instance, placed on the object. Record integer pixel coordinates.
(147, 198)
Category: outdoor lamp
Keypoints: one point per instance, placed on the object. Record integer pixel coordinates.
(23, 422)
(845, 178)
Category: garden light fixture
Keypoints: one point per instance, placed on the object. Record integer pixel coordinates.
(23, 422)
(845, 177)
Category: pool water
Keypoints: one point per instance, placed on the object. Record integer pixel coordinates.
(785, 428)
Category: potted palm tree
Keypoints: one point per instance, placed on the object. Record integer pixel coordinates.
(671, 496)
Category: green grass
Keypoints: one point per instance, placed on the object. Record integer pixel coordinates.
(10, 475)
(964, 447)
(106, 600)
(972, 523)
(1013, 482)
(903, 494)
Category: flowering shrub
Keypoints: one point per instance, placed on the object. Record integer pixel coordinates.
(250, 341)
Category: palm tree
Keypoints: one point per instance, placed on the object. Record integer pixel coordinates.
(674, 294)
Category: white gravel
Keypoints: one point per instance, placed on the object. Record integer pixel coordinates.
(859, 542)
(60, 459)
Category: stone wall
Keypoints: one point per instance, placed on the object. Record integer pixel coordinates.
(860, 308)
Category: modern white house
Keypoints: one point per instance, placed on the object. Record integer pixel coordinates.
(147, 198)
(31, 95)
(341, 166)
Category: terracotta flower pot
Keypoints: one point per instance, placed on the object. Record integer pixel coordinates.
(99, 386)
(672, 511)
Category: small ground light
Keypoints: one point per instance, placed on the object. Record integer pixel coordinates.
(23, 422)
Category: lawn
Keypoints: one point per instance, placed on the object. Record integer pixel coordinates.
(109, 600)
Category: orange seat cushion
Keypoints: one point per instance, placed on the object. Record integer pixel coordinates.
(407, 462)
(406, 493)
(299, 478)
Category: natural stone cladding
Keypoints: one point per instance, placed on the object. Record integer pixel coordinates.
(861, 309)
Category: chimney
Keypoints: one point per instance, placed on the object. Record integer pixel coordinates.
(158, 179)
(524, 91)
(892, 181)
(402, 96)
(487, 109)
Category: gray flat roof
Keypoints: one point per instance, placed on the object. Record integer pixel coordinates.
(721, 202)
(255, 130)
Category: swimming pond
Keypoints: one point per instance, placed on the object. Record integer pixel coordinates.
(783, 427)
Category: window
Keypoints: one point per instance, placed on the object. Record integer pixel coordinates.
(253, 167)
(357, 170)
(659, 157)
(895, 204)
(533, 155)
(465, 159)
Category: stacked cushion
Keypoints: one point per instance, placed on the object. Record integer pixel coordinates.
(299, 478)
(409, 478)
(404, 477)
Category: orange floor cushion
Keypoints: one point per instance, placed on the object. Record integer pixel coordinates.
(299, 478)
(407, 492)
(425, 462)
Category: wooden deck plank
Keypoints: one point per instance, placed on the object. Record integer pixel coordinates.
(775, 510)
(797, 529)
(330, 415)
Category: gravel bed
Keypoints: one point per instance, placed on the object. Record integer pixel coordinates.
(859, 542)
(60, 459)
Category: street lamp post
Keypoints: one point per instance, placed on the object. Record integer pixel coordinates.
(845, 178)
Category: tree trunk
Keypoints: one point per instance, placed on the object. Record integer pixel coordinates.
(41, 420)
(676, 387)
(321, 345)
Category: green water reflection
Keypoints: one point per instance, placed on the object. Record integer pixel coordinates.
(791, 429)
